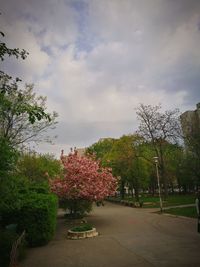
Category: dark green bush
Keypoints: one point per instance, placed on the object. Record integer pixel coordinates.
(38, 217)
(42, 187)
(11, 190)
(7, 238)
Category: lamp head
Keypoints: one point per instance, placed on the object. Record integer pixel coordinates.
(155, 159)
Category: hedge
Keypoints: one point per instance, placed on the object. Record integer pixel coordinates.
(7, 238)
(38, 217)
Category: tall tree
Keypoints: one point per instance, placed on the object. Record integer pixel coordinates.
(101, 148)
(126, 162)
(160, 128)
(192, 142)
(23, 115)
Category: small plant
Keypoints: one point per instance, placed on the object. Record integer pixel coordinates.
(82, 228)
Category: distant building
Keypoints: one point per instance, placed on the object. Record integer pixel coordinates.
(81, 151)
(190, 122)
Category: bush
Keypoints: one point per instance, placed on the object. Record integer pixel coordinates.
(7, 238)
(12, 191)
(38, 217)
(42, 187)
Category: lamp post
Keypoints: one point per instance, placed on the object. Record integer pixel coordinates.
(158, 179)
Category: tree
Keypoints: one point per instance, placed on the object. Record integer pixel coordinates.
(4, 50)
(83, 179)
(23, 115)
(101, 148)
(8, 157)
(126, 163)
(192, 142)
(38, 168)
(160, 128)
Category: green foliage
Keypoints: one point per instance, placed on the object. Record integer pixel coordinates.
(10, 203)
(16, 52)
(160, 129)
(125, 157)
(37, 216)
(82, 228)
(23, 114)
(38, 168)
(7, 238)
(101, 148)
(76, 207)
(8, 157)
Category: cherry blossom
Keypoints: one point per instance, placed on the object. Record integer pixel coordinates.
(84, 178)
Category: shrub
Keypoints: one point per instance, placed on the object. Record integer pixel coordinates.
(7, 238)
(42, 187)
(11, 198)
(38, 217)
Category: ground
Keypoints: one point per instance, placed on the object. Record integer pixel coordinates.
(128, 237)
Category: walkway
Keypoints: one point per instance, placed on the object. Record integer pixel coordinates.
(128, 237)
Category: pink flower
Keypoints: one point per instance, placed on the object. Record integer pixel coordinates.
(84, 178)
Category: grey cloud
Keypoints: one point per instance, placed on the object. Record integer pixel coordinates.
(97, 60)
(80, 133)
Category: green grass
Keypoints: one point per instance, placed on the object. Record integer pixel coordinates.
(187, 212)
(172, 200)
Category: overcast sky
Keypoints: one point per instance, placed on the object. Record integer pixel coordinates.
(96, 60)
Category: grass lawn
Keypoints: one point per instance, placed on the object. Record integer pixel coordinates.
(187, 212)
(172, 200)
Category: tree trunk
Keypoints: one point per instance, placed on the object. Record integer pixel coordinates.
(164, 178)
(136, 194)
(122, 189)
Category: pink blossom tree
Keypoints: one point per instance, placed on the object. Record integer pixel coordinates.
(84, 181)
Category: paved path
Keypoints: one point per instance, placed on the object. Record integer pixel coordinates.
(129, 237)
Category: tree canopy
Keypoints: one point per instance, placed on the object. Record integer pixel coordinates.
(23, 114)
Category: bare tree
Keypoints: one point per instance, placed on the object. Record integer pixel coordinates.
(159, 128)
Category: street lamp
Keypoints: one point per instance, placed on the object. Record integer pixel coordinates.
(158, 179)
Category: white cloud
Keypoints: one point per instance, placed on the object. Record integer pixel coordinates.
(97, 60)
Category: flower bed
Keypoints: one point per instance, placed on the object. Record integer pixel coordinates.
(80, 235)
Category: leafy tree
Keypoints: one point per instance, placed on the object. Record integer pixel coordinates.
(125, 160)
(8, 157)
(5, 51)
(160, 128)
(84, 180)
(23, 115)
(101, 148)
(38, 168)
(192, 142)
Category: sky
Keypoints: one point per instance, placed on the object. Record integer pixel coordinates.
(97, 60)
